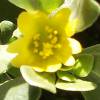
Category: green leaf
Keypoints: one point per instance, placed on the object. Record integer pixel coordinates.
(42, 80)
(13, 71)
(78, 85)
(66, 68)
(64, 75)
(96, 67)
(95, 94)
(5, 58)
(50, 5)
(24, 4)
(92, 49)
(95, 77)
(84, 65)
(30, 5)
(17, 89)
(86, 11)
(6, 30)
(4, 78)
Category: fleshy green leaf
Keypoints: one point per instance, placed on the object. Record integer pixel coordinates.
(66, 68)
(50, 5)
(24, 4)
(95, 94)
(95, 77)
(92, 50)
(86, 11)
(4, 78)
(42, 80)
(96, 67)
(5, 58)
(17, 89)
(78, 85)
(6, 30)
(30, 5)
(84, 65)
(64, 75)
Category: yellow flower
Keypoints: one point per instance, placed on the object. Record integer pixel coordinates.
(45, 44)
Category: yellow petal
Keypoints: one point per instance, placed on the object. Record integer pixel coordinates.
(38, 69)
(70, 61)
(50, 68)
(61, 17)
(18, 45)
(28, 23)
(75, 45)
(71, 27)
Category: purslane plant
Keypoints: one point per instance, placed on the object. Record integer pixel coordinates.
(45, 43)
(44, 50)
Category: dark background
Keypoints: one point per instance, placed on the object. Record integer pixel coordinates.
(89, 37)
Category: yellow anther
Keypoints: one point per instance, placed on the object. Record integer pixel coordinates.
(55, 32)
(57, 46)
(36, 44)
(47, 45)
(35, 50)
(41, 53)
(54, 40)
(36, 36)
(47, 50)
(48, 29)
(47, 53)
(50, 36)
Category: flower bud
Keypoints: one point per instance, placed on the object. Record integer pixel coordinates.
(6, 30)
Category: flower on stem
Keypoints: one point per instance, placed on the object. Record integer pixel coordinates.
(45, 43)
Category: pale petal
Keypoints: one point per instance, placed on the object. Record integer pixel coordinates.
(17, 33)
(70, 61)
(53, 68)
(75, 45)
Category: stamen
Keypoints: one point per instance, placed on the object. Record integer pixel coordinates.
(57, 46)
(41, 53)
(48, 29)
(55, 32)
(36, 36)
(54, 40)
(50, 36)
(36, 44)
(35, 50)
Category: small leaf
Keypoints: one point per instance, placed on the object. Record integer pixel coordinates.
(95, 94)
(86, 11)
(24, 4)
(66, 76)
(84, 65)
(42, 80)
(4, 78)
(95, 74)
(96, 67)
(78, 85)
(13, 71)
(30, 5)
(92, 49)
(17, 89)
(50, 5)
(5, 58)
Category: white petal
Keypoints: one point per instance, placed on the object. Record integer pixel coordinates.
(75, 45)
(70, 61)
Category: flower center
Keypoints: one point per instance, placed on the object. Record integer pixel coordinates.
(46, 48)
